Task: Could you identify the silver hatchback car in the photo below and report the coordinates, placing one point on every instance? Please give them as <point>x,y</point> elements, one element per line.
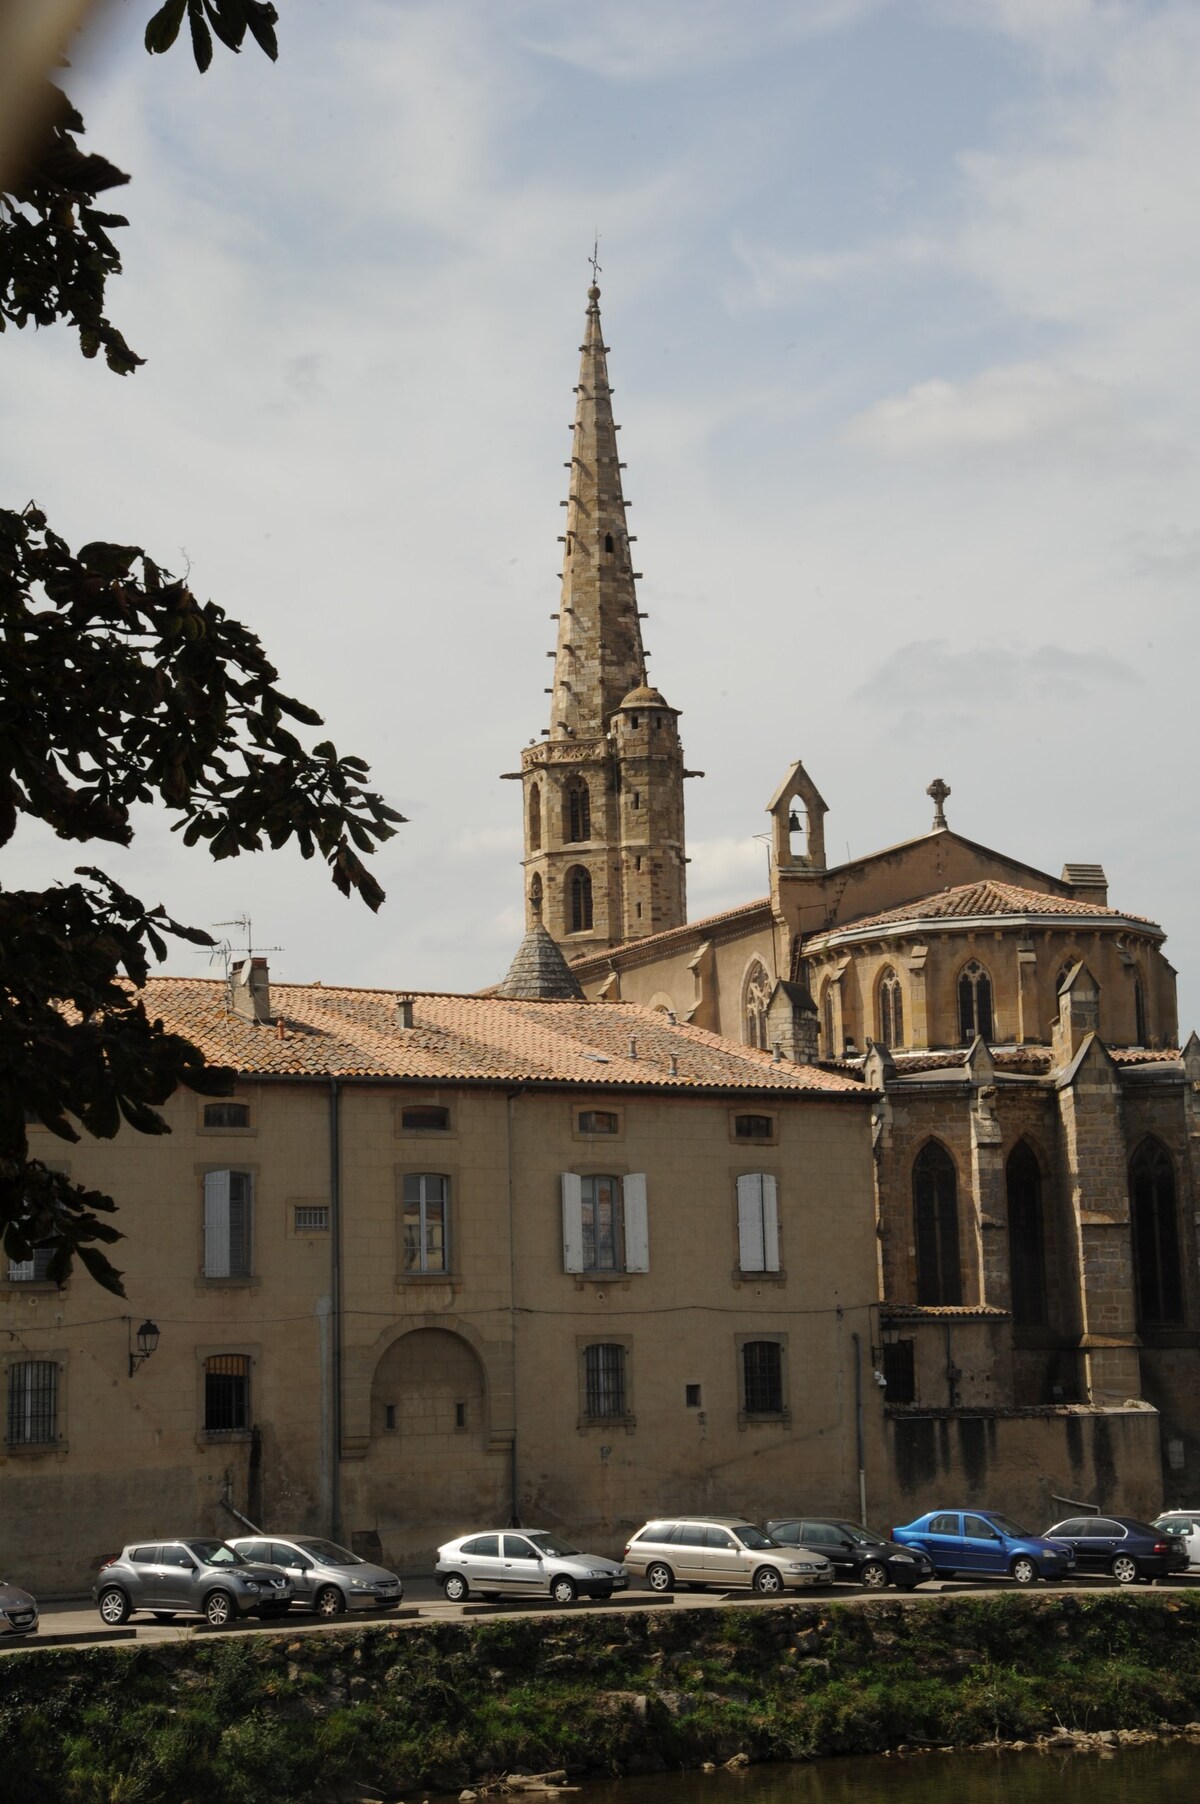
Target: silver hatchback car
<point>531,1563</point>
<point>192,1577</point>
<point>721,1550</point>
<point>18,1611</point>
<point>326,1578</point>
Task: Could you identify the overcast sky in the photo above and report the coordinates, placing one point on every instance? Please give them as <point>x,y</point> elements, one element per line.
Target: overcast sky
<point>902,300</point>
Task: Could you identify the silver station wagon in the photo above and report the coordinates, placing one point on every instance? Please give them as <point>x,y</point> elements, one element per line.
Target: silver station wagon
<point>726,1551</point>
<point>531,1563</point>
<point>193,1577</point>
<point>326,1578</point>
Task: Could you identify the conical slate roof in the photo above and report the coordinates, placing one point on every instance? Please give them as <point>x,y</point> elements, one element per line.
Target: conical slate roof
<point>539,972</point>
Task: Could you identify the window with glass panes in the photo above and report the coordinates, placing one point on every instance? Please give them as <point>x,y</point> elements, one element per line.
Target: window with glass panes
<point>32,1403</point>
<point>604,1380</point>
<point>602,1224</point>
<point>762,1378</point>
<point>226,1393</point>
<point>426,1194</point>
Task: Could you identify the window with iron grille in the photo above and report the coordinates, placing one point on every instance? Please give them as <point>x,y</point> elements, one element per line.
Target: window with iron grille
<point>604,1380</point>
<point>32,1403</point>
<point>226,1114</point>
<point>226,1393</point>
<point>899,1370</point>
<point>311,1218</point>
<point>31,1271</point>
<point>762,1378</point>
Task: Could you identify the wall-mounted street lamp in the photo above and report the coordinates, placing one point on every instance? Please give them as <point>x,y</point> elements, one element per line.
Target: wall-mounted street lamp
<point>147,1340</point>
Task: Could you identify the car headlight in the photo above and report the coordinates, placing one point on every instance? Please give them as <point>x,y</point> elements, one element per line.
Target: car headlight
<point>594,1572</point>
<point>904,1556</point>
<point>359,1585</point>
<point>803,1566</point>
<point>250,1584</point>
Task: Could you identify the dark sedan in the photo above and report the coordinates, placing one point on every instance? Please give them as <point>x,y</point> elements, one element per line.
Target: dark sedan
<point>855,1552</point>
<point>1122,1546</point>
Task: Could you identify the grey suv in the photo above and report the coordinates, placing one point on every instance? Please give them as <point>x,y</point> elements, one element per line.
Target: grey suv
<point>189,1577</point>
<point>326,1578</point>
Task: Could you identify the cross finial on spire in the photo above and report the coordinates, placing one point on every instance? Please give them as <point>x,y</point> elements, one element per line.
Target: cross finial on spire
<point>594,260</point>
<point>938,790</point>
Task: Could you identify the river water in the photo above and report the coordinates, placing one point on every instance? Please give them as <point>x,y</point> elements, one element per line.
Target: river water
<point>1151,1774</point>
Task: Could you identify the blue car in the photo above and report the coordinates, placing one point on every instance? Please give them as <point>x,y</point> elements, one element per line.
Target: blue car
<point>980,1541</point>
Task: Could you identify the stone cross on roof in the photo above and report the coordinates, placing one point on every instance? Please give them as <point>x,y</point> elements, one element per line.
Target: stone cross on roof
<point>939,790</point>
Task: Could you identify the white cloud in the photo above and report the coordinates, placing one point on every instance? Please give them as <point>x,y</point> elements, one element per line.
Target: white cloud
<point>630,40</point>
<point>1021,404</point>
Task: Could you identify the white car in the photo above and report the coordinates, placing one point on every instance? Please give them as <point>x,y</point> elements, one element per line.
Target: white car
<point>529,1562</point>
<point>1185,1524</point>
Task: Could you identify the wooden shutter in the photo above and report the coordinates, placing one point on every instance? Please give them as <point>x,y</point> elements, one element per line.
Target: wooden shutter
<point>572,1221</point>
<point>216,1224</point>
<point>770,1222</point>
<point>751,1250</point>
<point>239,1224</point>
<point>637,1223</point>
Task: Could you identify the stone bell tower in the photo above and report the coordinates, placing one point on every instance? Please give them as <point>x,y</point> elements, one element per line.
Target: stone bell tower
<point>603,788</point>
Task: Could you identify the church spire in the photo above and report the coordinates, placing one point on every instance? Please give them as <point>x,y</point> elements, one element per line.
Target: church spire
<point>599,657</point>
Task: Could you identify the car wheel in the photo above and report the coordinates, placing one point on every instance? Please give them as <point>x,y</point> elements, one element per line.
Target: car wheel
<point>659,1577</point>
<point>328,1601</point>
<point>873,1576</point>
<point>1024,1570</point>
<point>767,1581</point>
<point>218,1609</point>
<point>564,1590</point>
<point>114,1607</point>
<point>163,1615</point>
<point>1124,1569</point>
<point>456,1588</point>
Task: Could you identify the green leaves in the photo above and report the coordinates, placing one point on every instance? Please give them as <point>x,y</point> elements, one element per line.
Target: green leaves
<point>229,19</point>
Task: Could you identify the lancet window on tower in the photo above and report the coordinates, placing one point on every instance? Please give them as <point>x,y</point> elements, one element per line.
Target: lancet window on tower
<point>1139,1013</point>
<point>535,819</point>
<point>608,543</point>
<point>535,896</point>
<point>577,811</point>
<point>891,1009</point>
<point>974,1003</point>
<point>579,900</point>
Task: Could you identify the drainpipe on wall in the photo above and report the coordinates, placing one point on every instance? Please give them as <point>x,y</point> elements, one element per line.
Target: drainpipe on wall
<point>335,1291</point>
<point>513,1486</point>
<point>858,1430</point>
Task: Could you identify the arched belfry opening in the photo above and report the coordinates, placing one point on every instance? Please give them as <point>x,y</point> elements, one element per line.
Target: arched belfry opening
<point>798,811</point>
<point>577,811</point>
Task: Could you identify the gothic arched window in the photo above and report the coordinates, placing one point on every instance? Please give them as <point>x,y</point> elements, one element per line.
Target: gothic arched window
<point>1063,975</point>
<point>1139,1012</point>
<point>756,997</point>
<point>1155,1234</point>
<point>535,819</point>
<point>579,900</point>
<point>608,541</point>
<point>577,811</point>
<point>1026,1243</point>
<point>828,1048</point>
<point>891,1009</point>
<point>535,897</point>
<point>974,1003</point>
<point>935,1209</point>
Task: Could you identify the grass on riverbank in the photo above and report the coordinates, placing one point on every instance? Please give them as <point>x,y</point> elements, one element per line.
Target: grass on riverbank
<point>264,1720</point>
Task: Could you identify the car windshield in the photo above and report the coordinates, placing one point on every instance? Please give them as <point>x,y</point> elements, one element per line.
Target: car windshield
<point>752,1537</point>
<point>216,1553</point>
<point>862,1537</point>
<point>1009,1528</point>
<point>557,1548</point>
<point>328,1553</point>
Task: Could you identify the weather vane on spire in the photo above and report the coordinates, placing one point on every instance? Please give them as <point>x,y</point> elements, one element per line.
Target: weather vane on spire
<point>594,259</point>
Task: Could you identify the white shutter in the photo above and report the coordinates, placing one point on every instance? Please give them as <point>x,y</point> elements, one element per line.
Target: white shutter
<point>572,1221</point>
<point>770,1223</point>
<point>216,1224</point>
<point>751,1252</point>
<point>637,1223</point>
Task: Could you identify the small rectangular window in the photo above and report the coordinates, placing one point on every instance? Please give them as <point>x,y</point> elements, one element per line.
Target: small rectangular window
<point>427,1117</point>
<point>31,1271</point>
<point>604,1381</point>
<point>226,1114</point>
<point>460,1415</point>
<point>762,1378</point>
<point>389,1415</point>
<point>899,1371</point>
<point>691,1393</point>
<point>226,1393</point>
<point>425,1197</point>
<point>598,1121</point>
<point>754,1127</point>
<point>32,1403</point>
<point>311,1218</point>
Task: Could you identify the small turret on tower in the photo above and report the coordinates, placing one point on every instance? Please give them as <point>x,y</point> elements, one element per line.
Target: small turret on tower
<point>603,790</point>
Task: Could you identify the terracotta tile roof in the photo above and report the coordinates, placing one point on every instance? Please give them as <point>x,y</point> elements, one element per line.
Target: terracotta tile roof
<point>317,1031</point>
<point>1145,1055</point>
<point>968,900</point>
<point>658,942</point>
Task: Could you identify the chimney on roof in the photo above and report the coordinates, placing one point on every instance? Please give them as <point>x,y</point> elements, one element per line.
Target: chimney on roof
<point>1087,882</point>
<point>404,1011</point>
<point>250,991</point>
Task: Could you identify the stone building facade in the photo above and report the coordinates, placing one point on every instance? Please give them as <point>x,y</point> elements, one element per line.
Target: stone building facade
<point>444,1262</point>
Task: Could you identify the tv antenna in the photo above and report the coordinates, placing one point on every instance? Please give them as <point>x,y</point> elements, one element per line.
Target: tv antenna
<point>226,951</point>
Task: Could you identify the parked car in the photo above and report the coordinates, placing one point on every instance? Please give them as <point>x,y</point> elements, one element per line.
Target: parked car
<point>189,1577</point>
<point>981,1541</point>
<point>854,1552</point>
<point>721,1550</point>
<point>18,1611</point>
<point>531,1564</point>
<point>1121,1545</point>
<point>326,1578</point>
<point>1185,1525</point>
